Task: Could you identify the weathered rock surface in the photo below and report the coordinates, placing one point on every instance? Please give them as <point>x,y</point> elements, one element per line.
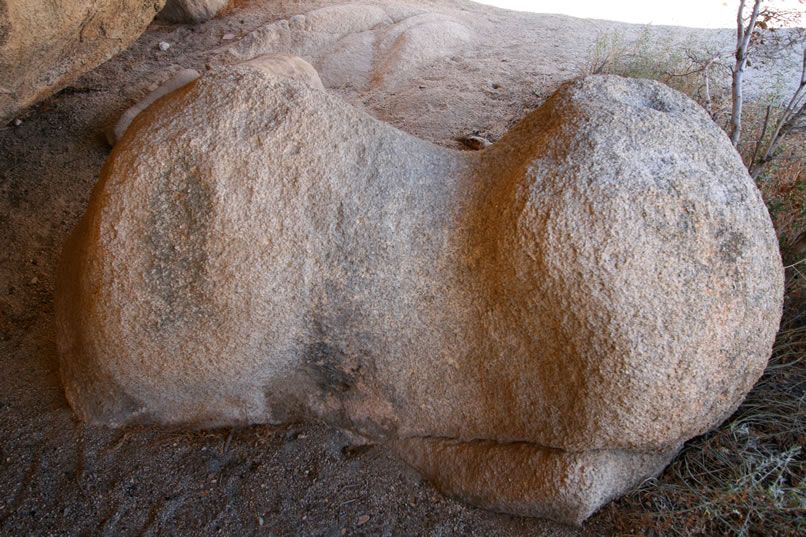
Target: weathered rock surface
<point>287,66</point>
<point>360,46</point>
<point>281,65</point>
<point>45,44</point>
<point>535,326</point>
<point>191,11</point>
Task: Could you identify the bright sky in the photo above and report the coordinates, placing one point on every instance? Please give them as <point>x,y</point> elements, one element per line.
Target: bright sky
<point>692,13</point>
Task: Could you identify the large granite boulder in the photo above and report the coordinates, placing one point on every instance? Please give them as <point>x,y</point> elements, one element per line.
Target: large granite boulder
<point>536,326</point>
<point>44,44</point>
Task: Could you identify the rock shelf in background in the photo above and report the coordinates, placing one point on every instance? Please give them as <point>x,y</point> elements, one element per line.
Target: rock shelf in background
<point>536,326</point>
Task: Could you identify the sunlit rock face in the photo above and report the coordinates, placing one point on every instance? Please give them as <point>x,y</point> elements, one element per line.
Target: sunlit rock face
<point>45,44</point>
<point>536,326</point>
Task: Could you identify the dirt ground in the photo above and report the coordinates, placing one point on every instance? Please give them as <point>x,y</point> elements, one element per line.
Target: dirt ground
<point>61,477</point>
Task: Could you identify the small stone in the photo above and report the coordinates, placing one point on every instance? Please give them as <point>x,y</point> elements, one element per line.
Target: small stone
<point>164,45</point>
<point>363,519</point>
<point>191,11</point>
<point>34,280</point>
<point>17,122</point>
<point>228,37</point>
<point>260,520</point>
<point>476,142</point>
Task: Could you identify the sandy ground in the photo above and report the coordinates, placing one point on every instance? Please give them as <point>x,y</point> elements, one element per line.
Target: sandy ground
<point>61,477</point>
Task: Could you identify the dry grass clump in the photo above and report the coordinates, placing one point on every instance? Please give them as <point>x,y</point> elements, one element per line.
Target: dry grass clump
<point>783,185</point>
<point>748,477</point>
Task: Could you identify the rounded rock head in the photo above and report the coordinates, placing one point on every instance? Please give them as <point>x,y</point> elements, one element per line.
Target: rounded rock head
<point>642,248</point>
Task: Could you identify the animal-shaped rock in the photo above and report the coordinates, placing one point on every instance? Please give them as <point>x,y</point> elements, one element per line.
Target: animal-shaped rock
<point>536,326</point>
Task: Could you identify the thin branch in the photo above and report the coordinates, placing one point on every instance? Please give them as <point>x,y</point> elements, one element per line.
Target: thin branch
<point>708,85</point>
<point>790,115</point>
<point>753,164</point>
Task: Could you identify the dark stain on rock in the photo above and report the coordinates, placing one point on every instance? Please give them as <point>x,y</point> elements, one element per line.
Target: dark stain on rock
<point>325,364</point>
<point>660,103</point>
<point>731,247</point>
<point>177,234</point>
